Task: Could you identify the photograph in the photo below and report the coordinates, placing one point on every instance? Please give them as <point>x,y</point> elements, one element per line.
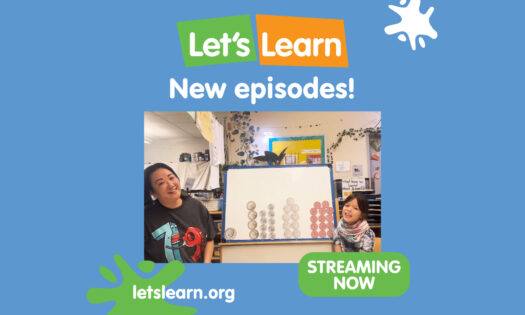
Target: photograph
<point>252,187</point>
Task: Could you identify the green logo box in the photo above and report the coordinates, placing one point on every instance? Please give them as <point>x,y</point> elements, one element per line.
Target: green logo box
<point>217,41</point>
<point>354,274</point>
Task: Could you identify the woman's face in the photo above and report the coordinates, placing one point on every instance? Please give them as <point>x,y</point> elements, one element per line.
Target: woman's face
<point>351,212</point>
<point>166,187</point>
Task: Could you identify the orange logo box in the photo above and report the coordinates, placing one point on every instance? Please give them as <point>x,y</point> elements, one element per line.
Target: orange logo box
<point>300,41</point>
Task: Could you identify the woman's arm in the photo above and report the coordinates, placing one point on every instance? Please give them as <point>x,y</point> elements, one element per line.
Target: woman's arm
<point>211,231</point>
<point>208,252</point>
<point>337,248</point>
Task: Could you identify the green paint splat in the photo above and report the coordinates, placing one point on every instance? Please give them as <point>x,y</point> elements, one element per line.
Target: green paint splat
<point>123,294</point>
<point>107,274</point>
<point>146,266</point>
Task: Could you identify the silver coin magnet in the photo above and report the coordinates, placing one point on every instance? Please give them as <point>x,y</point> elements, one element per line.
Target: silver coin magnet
<point>252,215</point>
<point>252,225</point>
<point>250,205</point>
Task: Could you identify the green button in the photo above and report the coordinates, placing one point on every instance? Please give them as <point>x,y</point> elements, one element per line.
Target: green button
<point>354,274</point>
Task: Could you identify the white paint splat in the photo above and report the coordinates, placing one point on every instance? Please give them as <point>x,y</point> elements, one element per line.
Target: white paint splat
<point>413,23</point>
<point>421,42</point>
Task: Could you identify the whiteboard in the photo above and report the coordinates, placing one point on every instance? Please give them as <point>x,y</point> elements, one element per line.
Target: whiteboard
<point>279,203</point>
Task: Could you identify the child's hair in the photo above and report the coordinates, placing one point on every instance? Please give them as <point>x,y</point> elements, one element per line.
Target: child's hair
<point>362,203</point>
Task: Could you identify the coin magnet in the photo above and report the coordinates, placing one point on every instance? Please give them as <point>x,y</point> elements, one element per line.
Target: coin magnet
<point>252,225</point>
<point>291,219</point>
<point>230,234</point>
<point>262,227</point>
<point>251,205</point>
<point>271,222</point>
<point>252,216</point>
<point>322,218</point>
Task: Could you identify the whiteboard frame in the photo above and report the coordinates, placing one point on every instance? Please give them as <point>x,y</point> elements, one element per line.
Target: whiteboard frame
<point>329,166</point>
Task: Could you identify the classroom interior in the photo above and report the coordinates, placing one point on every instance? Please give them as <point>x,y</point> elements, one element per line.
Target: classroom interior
<point>202,147</point>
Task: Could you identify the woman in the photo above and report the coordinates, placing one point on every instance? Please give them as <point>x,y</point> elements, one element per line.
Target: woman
<point>353,234</point>
<point>176,226</point>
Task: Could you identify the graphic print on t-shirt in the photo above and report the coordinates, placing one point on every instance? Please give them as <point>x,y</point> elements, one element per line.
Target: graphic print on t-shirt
<point>172,241</point>
<point>170,233</point>
<point>193,237</point>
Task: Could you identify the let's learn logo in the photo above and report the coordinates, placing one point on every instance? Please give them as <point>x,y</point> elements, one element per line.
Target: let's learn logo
<point>283,41</point>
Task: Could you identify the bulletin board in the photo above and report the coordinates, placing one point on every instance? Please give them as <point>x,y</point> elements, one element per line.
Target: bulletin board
<point>307,150</point>
<point>279,203</point>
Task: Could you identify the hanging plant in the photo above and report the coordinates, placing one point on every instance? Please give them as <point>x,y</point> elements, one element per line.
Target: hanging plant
<point>354,134</point>
<point>241,132</point>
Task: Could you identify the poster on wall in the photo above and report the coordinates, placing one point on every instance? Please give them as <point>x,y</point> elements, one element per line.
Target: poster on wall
<point>299,150</point>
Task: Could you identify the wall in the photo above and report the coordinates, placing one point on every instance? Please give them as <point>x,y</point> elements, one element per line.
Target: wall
<point>297,124</point>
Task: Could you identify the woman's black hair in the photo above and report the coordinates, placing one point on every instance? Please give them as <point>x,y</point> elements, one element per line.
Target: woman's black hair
<point>148,188</point>
<point>362,203</point>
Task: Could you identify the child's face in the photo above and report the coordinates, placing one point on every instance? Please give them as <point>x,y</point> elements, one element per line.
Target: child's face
<point>351,212</point>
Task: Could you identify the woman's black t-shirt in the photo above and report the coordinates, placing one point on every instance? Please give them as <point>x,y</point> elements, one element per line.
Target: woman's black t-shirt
<point>177,234</point>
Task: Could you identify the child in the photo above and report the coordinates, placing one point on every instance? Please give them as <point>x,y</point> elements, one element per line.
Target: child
<point>353,233</point>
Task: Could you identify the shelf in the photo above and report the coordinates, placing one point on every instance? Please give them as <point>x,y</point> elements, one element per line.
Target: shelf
<point>217,218</point>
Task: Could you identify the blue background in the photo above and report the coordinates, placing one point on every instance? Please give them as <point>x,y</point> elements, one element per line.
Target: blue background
<point>77,77</point>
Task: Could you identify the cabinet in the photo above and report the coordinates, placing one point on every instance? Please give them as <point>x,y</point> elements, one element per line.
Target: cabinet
<point>217,218</point>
